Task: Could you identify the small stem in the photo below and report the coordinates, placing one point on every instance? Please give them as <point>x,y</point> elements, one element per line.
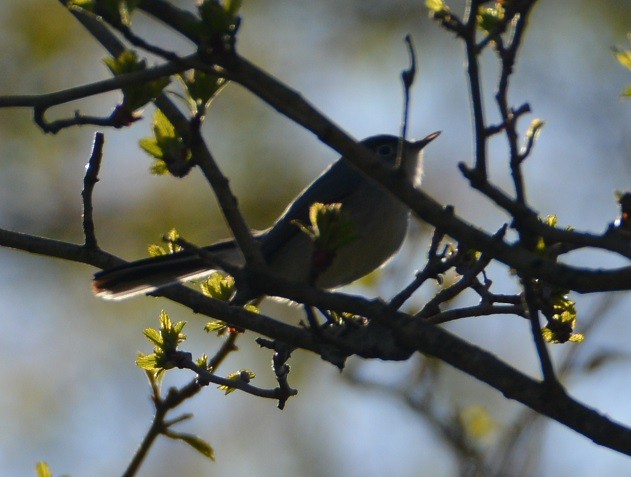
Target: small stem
<point>535,326</point>
<point>475,90</point>
<point>407,77</point>
<point>89,181</point>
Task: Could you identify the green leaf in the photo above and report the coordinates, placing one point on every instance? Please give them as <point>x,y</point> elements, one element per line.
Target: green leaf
<point>148,362</point>
<point>202,88</point>
<point>165,341</point>
<point>154,336</point>
<point>218,286</point>
<point>241,375</point>
<point>135,96</point>
<point>87,5</point>
<point>125,9</point>
<point>156,250</point>
<point>232,7</point>
<point>202,361</point>
<point>155,379</point>
<point>165,145</point>
<point>43,470</point>
<point>560,327</point>
<point>488,18</point>
<point>170,334</point>
<point>216,326</point>
<point>159,168</point>
<point>623,57</point>
<point>535,129</point>
<point>436,6</point>
<point>252,308</point>
<point>197,443</point>
<point>330,227</point>
<point>543,247</point>
<point>171,237</point>
<point>162,127</point>
<point>151,147</point>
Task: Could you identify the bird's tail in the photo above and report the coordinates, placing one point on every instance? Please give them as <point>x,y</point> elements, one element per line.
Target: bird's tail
<point>149,274</point>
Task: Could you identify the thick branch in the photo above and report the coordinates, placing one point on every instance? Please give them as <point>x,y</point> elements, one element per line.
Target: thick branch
<point>292,105</point>
<point>549,401</point>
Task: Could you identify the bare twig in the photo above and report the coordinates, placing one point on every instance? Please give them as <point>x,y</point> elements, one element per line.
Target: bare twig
<point>436,264</point>
<point>535,326</point>
<point>41,102</point>
<point>475,311</point>
<point>433,306</point>
<point>407,78</point>
<point>89,181</point>
<point>475,88</point>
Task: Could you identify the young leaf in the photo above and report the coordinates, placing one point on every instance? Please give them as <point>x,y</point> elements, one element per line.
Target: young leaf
<point>560,327</point>
<point>202,361</point>
<point>197,443</point>
<point>241,375</point>
<point>43,470</point>
<point>165,341</point>
<point>216,326</point>
<point>330,227</point>
<point>488,18</point>
<point>148,362</point>
<point>218,286</point>
<point>156,250</point>
<point>202,88</point>
<point>436,6</point>
<point>135,96</point>
<point>169,148</point>
<point>154,336</point>
<point>534,129</point>
<point>623,57</point>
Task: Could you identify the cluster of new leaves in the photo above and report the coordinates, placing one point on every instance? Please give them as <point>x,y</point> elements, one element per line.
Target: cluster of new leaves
<point>329,229</point>
<point>168,148</point>
<point>135,96</point>
<point>555,305</point>
<point>166,340</point>
<point>222,287</point>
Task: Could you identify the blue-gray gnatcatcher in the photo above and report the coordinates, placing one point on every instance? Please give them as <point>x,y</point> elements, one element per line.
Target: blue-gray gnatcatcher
<point>378,218</point>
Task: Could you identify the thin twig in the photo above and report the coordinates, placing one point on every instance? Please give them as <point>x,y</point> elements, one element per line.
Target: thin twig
<point>449,293</point>
<point>89,181</point>
<point>475,89</point>
<point>474,312</point>
<point>183,361</point>
<point>436,264</point>
<point>407,78</point>
<point>41,102</point>
<point>535,326</point>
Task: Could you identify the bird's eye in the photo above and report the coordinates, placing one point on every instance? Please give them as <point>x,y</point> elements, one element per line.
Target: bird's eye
<point>385,150</point>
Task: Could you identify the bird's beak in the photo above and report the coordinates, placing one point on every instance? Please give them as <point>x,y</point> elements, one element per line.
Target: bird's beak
<point>421,143</point>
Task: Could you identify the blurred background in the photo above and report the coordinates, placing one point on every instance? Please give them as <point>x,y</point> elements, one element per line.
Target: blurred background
<point>71,394</point>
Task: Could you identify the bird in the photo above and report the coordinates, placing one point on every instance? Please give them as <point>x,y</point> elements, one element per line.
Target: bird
<point>378,219</point>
